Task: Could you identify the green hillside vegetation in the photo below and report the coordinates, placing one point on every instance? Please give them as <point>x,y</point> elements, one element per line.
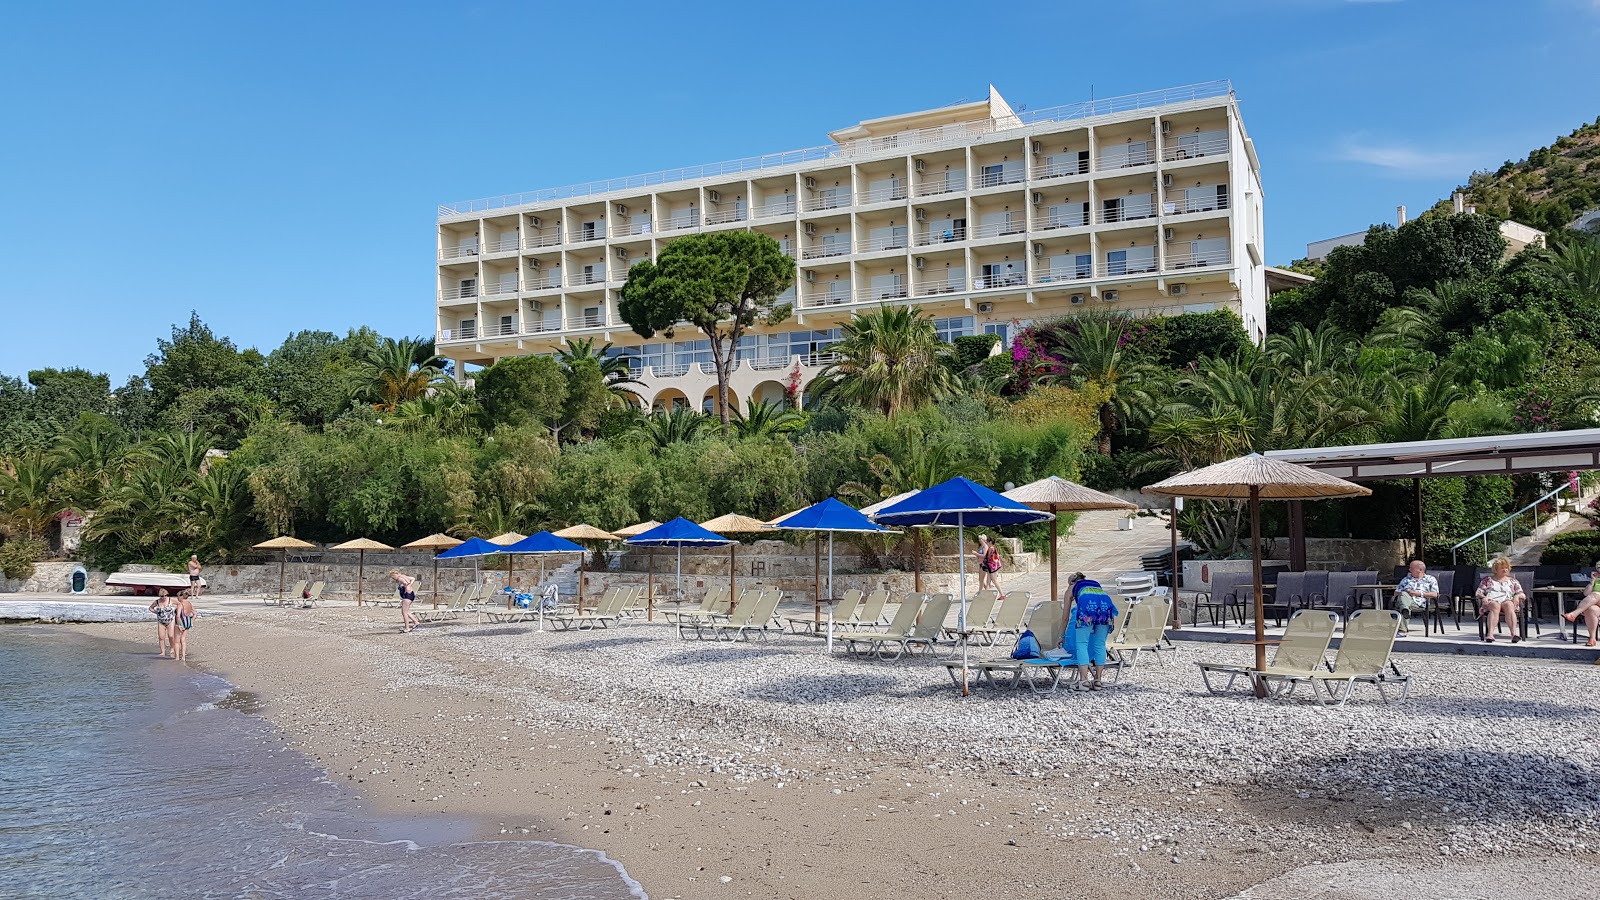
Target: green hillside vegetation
<point>1548,189</point>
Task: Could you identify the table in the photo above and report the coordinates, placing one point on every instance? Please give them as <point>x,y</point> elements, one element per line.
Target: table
<point>1561,592</point>
<point>1380,591</point>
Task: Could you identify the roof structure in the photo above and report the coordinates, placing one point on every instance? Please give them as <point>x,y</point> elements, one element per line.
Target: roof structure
<point>1496,454</point>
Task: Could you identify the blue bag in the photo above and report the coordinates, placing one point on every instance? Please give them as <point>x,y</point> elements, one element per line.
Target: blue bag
<point>1027,647</point>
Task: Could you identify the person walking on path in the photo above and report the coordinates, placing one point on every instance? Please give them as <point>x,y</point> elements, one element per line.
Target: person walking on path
<point>1589,606</point>
<point>1092,615</point>
<point>407,587</point>
<point>181,627</point>
<point>194,574</point>
<point>166,616</point>
<point>988,564</point>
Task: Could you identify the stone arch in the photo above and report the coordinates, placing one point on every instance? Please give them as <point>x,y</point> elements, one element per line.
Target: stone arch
<point>708,403</point>
<point>770,392</point>
<point>669,399</point>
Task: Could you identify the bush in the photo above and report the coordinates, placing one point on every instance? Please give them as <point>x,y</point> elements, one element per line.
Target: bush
<point>970,350</point>
<point>1579,548</point>
<point>18,555</point>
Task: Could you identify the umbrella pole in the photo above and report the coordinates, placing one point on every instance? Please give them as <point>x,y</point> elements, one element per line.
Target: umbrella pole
<point>678,584</point>
<point>283,561</point>
<point>1255,574</point>
<point>361,571</point>
<point>916,561</point>
<point>538,600</point>
<point>650,590</point>
<point>830,593</point>
<point>436,582</point>
<point>1054,591</point>
<point>816,573</point>
<point>582,558</point>
<point>733,574</point>
<point>961,547</point>
<point>511,564</point>
<point>1177,620</point>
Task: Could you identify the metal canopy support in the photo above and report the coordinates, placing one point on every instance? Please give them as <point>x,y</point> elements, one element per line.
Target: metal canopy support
<point>1297,535</point>
<point>1416,486</point>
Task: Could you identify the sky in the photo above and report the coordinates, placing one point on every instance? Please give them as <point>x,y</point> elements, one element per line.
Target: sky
<point>278,166</point>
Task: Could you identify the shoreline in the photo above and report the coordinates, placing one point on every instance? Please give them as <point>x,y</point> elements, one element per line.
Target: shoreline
<point>459,720</point>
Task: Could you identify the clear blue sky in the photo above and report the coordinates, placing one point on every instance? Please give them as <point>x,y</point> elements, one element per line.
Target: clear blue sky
<point>277,166</point>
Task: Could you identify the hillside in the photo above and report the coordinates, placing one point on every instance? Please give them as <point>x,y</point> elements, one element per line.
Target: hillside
<point>1548,189</point>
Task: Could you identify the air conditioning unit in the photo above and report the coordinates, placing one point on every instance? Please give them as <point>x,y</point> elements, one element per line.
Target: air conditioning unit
<point>811,230</point>
<point>535,221</point>
<point>621,210</point>
<point>1168,234</point>
<point>713,197</point>
<point>920,165</point>
<point>533,264</point>
<point>1038,249</point>
<point>1038,148</point>
<point>1177,290</point>
<point>1166,181</point>
<point>811,183</point>
<point>1108,296</point>
<point>622,252</point>
<point>922,214</point>
<point>1166,127</point>
<point>1038,199</point>
<point>985,307</point>
<point>1077,299</point>
<point>810,277</point>
<point>920,263</point>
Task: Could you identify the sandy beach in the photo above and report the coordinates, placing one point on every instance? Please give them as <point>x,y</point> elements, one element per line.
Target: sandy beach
<point>771,770</point>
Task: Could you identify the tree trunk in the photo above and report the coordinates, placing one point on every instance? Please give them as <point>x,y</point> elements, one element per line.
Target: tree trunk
<point>722,352</point>
<point>1108,424</point>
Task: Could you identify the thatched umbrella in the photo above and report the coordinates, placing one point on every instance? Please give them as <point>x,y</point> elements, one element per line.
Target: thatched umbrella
<point>506,540</point>
<point>1256,478</point>
<point>362,545</point>
<point>581,534</point>
<point>650,589</point>
<point>285,544</point>
<point>433,543</point>
<point>733,523</point>
<point>1054,494</point>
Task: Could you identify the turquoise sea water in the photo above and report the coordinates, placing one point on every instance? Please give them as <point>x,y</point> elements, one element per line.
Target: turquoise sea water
<point>122,775</point>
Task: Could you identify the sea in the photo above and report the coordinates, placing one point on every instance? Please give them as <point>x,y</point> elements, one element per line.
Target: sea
<point>124,775</point>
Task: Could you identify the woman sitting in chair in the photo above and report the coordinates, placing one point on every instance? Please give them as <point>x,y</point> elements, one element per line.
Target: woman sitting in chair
<point>1589,606</point>
<point>1499,594</point>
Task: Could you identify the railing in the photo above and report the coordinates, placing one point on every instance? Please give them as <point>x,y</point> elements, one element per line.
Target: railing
<point>505,245</point>
<point>831,298</point>
<point>1057,276</point>
<point>1211,147</point>
<point>465,251</point>
<point>1198,260</point>
<point>543,283</point>
<point>1135,156</point>
<point>941,237</point>
<point>819,359</point>
<point>1193,205</point>
<point>1135,267</point>
<point>990,282</point>
<point>935,288</point>
<point>785,207</point>
<point>832,199</point>
<point>628,228</point>
<point>542,325</point>
<point>940,183</point>
<point>723,217</point>
<point>891,242</point>
<point>586,278</point>
<point>1510,524</point>
<point>1063,220</point>
<point>1061,167</point>
<point>671,370</point>
<point>882,292</point>
<point>588,321</point>
<point>707,368</point>
<point>1000,229</point>
<point>499,289</point>
<point>765,363</point>
<point>585,235</point>
<point>458,293</point>
<point>679,222</point>
<point>466,333</point>
<point>882,195</point>
<point>996,179</point>
<point>837,248</point>
<point>548,238</point>
<point>1127,213</point>
<point>500,330</point>
<point>921,139</point>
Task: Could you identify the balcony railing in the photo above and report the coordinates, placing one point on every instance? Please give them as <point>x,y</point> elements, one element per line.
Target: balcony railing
<point>631,228</point>
<point>500,329</point>
<point>1059,275</point>
<point>541,326</point>
<point>882,195</point>
<point>550,237</point>
<point>1196,150</point>
<point>584,279</point>
<point>939,184</point>
<point>1135,156</point>
<point>1110,269</point>
<point>588,321</point>
<point>1180,261</point>
<point>882,293</point>
<point>679,222</point>
<point>466,251</point>
<point>941,237</point>
<point>925,139</point>
<point>996,179</point>
<point>505,245</point>
<point>776,207</point>
<point>1061,167</point>
<point>499,288</point>
<point>466,333</point>
<point>458,293</point>
<point>837,297</point>
<point>890,242</point>
<point>1062,220</point>
<point>1000,229</point>
<point>837,248</point>
<point>834,199</point>
<point>543,282</point>
<point>990,282</point>
<point>1193,205</point>
<point>722,217</point>
<point>1126,213</point>
<point>585,235</point>
<point>934,288</point>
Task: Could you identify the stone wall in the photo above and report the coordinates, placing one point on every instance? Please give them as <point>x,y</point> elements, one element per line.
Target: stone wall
<point>1340,553</point>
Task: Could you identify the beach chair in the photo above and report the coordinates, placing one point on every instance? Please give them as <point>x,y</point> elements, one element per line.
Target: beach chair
<point>607,611</point>
<point>928,633</point>
<point>715,602</point>
<point>313,595</point>
<point>1302,651</point>
<point>979,609</point>
<point>1363,657</point>
<point>1008,621</point>
<point>751,618</point>
<point>842,612</point>
<point>274,599</point>
<point>634,605</point>
<point>1143,630</point>
<point>904,618</point>
<point>427,613</point>
<point>722,609</point>
<point>870,614</point>
<point>1045,621</point>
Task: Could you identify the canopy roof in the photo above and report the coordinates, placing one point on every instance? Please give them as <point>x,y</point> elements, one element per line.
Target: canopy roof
<point>283,543</point>
<point>361,544</point>
<point>829,515</point>
<point>875,508</point>
<point>544,542</point>
<point>636,530</point>
<point>1273,479</point>
<point>433,542</point>
<point>1055,494</point>
<point>959,501</point>
<point>733,523</point>
<point>507,539</point>
<point>1495,454</point>
<point>679,532</point>
<point>469,548</point>
<point>585,533</point>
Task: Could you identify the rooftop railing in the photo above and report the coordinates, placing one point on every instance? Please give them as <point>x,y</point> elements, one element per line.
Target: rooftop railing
<point>920,140</point>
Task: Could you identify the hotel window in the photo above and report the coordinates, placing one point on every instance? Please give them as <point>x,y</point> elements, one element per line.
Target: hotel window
<point>888,287</point>
<point>951,328</point>
<point>1131,261</point>
<point>469,328</point>
<point>469,287</point>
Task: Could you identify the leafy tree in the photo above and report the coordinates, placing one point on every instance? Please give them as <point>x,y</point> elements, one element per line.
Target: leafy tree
<point>1178,341</point>
<point>766,419</point>
<point>890,359</point>
<point>617,374</point>
<point>200,382</point>
<point>313,376</point>
<point>521,389</point>
<point>969,351</point>
<point>679,425</point>
<point>1575,264</point>
<point>1095,351</point>
<point>397,370</point>
<point>720,283</point>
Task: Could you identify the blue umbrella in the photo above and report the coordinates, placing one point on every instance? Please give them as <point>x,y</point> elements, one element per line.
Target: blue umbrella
<point>471,548</point>
<point>960,502</point>
<point>679,533</point>
<point>831,516</point>
<point>540,545</point>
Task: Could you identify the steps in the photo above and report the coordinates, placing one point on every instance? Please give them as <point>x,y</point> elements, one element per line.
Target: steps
<point>1097,548</point>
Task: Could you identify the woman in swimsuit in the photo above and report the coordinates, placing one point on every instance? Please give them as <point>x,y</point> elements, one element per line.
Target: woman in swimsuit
<point>407,587</point>
<point>166,614</point>
<point>180,628</point>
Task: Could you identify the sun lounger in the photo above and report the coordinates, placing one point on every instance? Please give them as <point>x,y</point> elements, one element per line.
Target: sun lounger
<point>715,602</point>
<point>429,613</point>
<point>928,633</point>
<point>842,611</point>
<point>904,619</point>
<point>276,599</point>
<point>979,609</point>
<point>869,615</point>
<point>1364,657</point>
<point>312,597</point>
<point>1303,651</point>
<point>635,606</point>
<point>1045,621</point>
<point>1145,630</point>
<point>1007,622</point>
<point>604,613</point>
<point>751,618</point>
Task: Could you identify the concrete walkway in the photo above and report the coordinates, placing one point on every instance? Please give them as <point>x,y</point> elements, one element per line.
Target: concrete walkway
<point>1096,548</point>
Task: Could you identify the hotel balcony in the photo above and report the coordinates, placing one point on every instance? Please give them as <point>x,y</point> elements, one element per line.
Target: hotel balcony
<point>1000,229</point>
<point>990,282</point>
<point>1058,168</point>
<point>954,235</point>
<point>825,250</point>
<point>738,213</point>
<point>833,198</point>
<point>1202,260</point>
<point>1126,212</point>
<point>681,221</point>
<point>464,292</point>
<point>1212,144</point>
<point>896,241</point>
<point>1074,219</point>
<point>1125,156</point>
<point>1186,205</point>
<point>627,229</point>
<point>882,194</point>
<point>776,207</point>
<point>461,253</point>
<point>501,288</point>
<point>882,293</point>
<point>997,179</point>
<point>587,279</point>
<point>507,244</point>
<point>549,237</point>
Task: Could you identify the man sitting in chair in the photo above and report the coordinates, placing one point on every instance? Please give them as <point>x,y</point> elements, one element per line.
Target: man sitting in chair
<point>1414,592</point>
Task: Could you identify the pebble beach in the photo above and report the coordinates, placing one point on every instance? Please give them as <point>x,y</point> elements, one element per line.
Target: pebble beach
<point>774,770</point>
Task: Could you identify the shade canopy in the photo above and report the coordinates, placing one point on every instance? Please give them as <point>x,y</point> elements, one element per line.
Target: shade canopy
<point>733,523</point>
<point>585,533</point>
<point>1271,479</point>
<point>361,544</point>
<point>1057,494</point>
<point>507,539</point>
<point>830,515</point>
<point>433,542</point>
<point>543,542</point>
<point>679,532</point>
<point>284,543</point>
<point>959,501</point>
<point>469,548</point>
<point>873,509</point>
<point>636,530</point>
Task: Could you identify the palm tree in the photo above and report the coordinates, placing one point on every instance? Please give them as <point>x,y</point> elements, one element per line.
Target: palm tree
<point>27,504</point>
<point>450,408</point>
<point>616,371</point>
<point>918,464</point>
<point>1095,350</point>
<point>1575,263</point>
<point>680,425</point>
<point>400,370</point>
<point>888,360</point>
<point>763,419</point>
<point>88,458</point>
<point>1420,411</point>
<point>217,504</point>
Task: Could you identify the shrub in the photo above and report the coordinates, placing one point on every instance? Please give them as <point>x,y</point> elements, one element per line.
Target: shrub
<point>18,555</point>
<point>1578,548</point>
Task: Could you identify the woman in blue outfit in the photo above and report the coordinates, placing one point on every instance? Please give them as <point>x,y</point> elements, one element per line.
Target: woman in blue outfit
<point>1089,626</point>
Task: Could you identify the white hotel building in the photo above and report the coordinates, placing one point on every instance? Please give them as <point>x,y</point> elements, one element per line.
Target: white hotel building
<point>987,217</point>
